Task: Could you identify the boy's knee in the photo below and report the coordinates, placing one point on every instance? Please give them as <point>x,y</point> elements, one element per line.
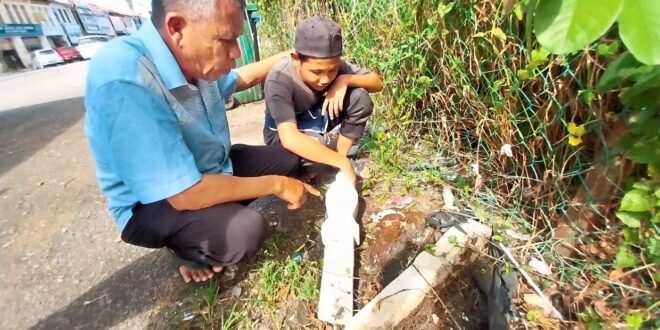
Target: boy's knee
<point>361,100</point>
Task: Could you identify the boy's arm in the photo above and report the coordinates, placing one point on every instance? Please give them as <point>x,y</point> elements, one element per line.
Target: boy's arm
<point>254,73</point>
<point>306,147</point>
<point>334,100</point>
<point>371,81</point>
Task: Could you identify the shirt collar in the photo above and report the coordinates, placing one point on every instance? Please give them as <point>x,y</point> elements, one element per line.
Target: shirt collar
<point>162,57</point>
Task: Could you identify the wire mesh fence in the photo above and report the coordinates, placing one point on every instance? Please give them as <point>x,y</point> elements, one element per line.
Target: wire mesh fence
<point>461,84</point>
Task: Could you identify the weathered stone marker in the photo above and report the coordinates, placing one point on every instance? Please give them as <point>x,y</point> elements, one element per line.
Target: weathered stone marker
<point>340,233</point>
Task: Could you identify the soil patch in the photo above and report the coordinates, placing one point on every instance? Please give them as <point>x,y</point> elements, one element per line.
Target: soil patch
<point>456,304</point>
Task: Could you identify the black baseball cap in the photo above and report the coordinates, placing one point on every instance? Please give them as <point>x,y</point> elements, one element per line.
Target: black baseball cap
<point>318,37</point>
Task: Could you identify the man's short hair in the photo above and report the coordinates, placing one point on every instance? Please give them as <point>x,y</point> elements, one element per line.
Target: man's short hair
<point>200,10</point>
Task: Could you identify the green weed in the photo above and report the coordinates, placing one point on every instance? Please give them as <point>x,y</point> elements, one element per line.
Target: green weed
<point>298,279</point>
<point>209,295</point>
<point>232,320</point>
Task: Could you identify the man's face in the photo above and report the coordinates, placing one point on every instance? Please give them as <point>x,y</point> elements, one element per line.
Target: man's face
<point>318,73</point>
<point>210,48</point>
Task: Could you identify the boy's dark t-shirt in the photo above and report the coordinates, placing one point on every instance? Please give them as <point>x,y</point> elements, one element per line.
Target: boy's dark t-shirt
<point>287,95</point>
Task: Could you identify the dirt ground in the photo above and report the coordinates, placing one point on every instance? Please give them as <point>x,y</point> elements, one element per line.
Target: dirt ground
<point>63,266</point>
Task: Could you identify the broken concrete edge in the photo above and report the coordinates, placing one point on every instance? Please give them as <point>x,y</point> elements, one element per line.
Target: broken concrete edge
<point>404,295</point>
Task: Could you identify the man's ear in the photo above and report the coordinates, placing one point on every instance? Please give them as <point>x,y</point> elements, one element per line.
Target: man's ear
<point>174,25</point>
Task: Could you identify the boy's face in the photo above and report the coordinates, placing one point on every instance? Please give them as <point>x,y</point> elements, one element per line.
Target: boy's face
<point>317,73</point>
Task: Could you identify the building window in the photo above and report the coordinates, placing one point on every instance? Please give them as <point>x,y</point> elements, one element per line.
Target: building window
<point>27,17</point>
<point>19,18</point>
<point>66,16</point>
<point>57,15</point>
<point>51,14</point>
<point>32,43</point>
<point>62,15</point>
<point>47,16</point>
<point>35,14</point>
<point>12,19</point>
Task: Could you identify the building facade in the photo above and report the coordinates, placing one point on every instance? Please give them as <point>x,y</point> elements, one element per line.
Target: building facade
<point>94,20</point>
<point>21,31</point>
<point>123,25</point>
<point>63,12</point>
<point>29,25</point>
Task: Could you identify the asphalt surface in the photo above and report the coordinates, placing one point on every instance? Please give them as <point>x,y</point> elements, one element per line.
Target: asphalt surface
<point>63,266</point>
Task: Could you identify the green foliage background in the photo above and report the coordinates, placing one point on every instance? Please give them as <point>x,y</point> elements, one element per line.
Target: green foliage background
<point>460,84</point>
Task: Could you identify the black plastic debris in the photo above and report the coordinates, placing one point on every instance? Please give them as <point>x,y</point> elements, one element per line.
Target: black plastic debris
<point>498,284</point>
<point>445,219</point>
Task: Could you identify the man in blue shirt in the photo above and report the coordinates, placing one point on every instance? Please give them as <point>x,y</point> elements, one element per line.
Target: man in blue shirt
<point>159,135</point>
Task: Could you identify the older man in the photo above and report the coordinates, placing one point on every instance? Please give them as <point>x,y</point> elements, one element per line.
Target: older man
<point>158,131</point>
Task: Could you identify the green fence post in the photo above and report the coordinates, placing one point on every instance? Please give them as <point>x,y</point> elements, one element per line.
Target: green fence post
<point>249,44</point>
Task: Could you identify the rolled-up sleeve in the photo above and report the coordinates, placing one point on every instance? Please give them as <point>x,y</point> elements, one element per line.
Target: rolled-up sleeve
<point>146,146</point>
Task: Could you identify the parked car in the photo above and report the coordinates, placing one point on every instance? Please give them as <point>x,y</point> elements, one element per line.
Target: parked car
<point>45,57</point>
<point>89,45</point>
<point>69,54</point>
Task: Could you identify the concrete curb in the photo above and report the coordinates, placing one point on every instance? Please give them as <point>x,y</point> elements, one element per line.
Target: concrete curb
<point>401,297</point>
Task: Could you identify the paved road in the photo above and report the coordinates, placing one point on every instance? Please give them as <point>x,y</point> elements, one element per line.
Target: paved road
<point>62,265</point>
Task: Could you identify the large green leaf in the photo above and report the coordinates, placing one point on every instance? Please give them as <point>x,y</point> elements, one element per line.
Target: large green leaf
<point>626,67</point>
<point>631,219</point>
<point>637,201</point>
<point>639,27</point>
<point>645,122</point>
<point>644,150</point>
<point>635,319</point>
<point>645,92</point>
<point>630,235</point>
<point>564,26</point>
<point>625,259</point>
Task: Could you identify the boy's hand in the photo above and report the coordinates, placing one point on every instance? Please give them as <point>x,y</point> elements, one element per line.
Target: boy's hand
<point>334,99</point>
<point>294,192</point>
<point>348,170</point>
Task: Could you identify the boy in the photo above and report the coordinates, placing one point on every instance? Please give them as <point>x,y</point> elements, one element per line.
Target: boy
<point>315,93</point>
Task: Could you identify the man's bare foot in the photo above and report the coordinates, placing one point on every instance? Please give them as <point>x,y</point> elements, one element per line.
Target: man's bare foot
<point>196,274</point>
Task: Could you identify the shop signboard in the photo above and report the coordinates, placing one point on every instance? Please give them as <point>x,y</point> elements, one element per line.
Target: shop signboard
<point>20,30</point>
<point>73,31</point>
<point>52,30</point>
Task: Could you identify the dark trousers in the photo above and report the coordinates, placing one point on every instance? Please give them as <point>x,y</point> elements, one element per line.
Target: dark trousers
<point>358,106</point>
<point>220,235</point>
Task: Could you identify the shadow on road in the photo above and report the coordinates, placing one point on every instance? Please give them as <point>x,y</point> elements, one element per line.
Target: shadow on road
<point>24,131</point>
<point>130,291</point>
